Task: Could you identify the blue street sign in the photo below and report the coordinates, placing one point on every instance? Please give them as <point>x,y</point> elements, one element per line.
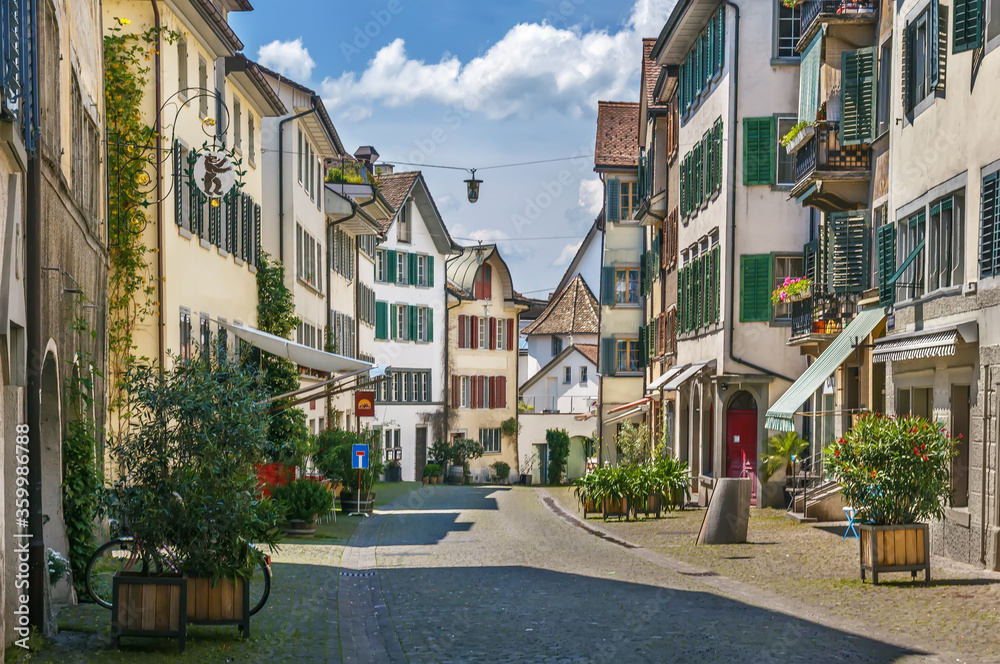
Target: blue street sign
<point>359,456</point>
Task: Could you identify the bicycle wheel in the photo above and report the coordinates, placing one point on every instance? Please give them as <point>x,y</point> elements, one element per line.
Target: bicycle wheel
<point>260,583</point>
<point>116,556</point>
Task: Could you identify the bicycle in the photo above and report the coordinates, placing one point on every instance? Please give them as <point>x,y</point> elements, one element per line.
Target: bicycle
<point>121,554</point>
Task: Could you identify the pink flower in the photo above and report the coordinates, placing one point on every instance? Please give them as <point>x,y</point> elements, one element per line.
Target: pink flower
<point>784,296</point>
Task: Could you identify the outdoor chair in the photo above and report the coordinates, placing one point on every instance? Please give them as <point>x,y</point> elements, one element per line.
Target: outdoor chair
<point>335,488</point>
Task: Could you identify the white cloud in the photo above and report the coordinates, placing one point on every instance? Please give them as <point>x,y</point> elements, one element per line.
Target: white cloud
<point>592,195</point>
<point>289,58</point>
<point>568,252</point>
<point>508,249</point>
<point>534,68</point>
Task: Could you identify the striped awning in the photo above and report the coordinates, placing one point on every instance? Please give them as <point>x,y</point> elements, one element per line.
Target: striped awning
<point>662,380</point>
<point>938,344</point>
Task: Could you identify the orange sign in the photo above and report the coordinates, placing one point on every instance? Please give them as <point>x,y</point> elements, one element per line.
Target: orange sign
<point>364,404</point>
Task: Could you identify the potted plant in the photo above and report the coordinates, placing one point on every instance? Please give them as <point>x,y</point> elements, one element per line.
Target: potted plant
<point>333,459</point>
<point>187,463</point>
<point>777,461</point>
<point>432,472</point>
<point>896,473</point>
<point>502,469</point>
<point>304,501</point>
<point>393,471</point>
<point>463,450</point>
<point>797,136</point>
<point>792,290</point>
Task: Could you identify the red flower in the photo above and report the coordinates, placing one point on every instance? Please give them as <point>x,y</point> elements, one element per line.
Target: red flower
<point>961,436</point>
<point>925,458</point>
<point>836,452</point>
<point>873,473</point>
<point>915,451</point>
<point>913,430</point>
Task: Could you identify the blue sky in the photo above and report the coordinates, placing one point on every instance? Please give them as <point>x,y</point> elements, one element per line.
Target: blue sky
<point>474,85</point>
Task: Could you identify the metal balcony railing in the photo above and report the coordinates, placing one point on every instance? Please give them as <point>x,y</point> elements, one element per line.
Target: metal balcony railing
<point>824,152</point>
<point>823,313</point>
<point>813,8</point>
<point>556,404</point>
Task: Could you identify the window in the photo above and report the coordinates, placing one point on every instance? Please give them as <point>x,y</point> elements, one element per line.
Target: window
<point>583,375</point>
<point>380,265</point>
<point>945,246</point>
<point>993,20</point>
<point>759,142</point>
<point>401,268</point>
<point>205,335</point>
<point>784,266</point>
<point>786,161</point>
<point>421,270</point>
<point>627,355</point>
<point>50,53</point>
<point>857,94</point>
<point>627,199</point>
<point>403,223</point>
<point>393,445</point>
<point>203,84</point>
<point>567,375</point>
<point>915,401</point>
<point>482,287</point>
<point>308,253</point>
<point>85,156</point>
<point>703,63</point>
<point>341,258</point>
<point>185,334</point>
<point>557,344</point>
<point>910,236</point>
<point>920,64</point>
<point>402,322</point>
<point>484,332</point>
<point>463,393</point>
<point>501,324</point>
<point>789,29</point>
<point>422,324</point>
<point>182,68</point>
<point>237,124</point>
<point>627,285</point>
<point>301,156</point>
<point>490,440</point>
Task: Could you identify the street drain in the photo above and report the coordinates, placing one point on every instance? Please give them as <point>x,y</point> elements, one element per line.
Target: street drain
<point>369,573</point>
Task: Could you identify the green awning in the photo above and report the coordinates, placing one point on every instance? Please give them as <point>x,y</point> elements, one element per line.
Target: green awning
<point>779,417</point>
<point>806,194</point>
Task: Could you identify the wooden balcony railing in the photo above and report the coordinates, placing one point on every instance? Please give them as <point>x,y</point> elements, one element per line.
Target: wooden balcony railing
<point>824,152</point>
<point>813,8</point>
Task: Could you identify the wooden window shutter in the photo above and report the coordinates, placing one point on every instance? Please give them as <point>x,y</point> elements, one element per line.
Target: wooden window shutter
<point>720,39</point>
<point>381,320</point>
<point>430,323</point>
<point>178,185</point>
<point>857,94</point>
<point>412,263</point>
<point>462,322</point>
<point>493,333</point>
<point>755,288</point>
<point>937,25</point>
<point>691,305</point>
<point>758,151</point>
<point>886,263</point>
<point>681,292</point>
<point>607,285</point>
<point>809,68</point>
<point>717,165</point>
<point>430,271</point>
<point>393,322</point>
<point>684,186</point>
<point>717,271</point>
<point>989,228</point>
<point>474,333</point>
<point>968,25</point>
<point>909,35</point>
<point>256,235</point>
<point>390,266</point>
<point>848,251</point>
<point>681,92</point>
<point>411,322</point>
<point>607,356</point>
<point>614,190</point>
<point>501,392</point>
<point>473,394</point>
<point>492,381</point>
<point>510,334</point>
<point>455,391</point>
<point>482,390</point>
<point>809,257</point>
<point>699,69</point>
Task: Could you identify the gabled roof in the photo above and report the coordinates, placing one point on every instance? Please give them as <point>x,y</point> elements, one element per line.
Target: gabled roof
<point>573,310</point>
<point>219,24</point>
<point>462,270</point>
<point>650,76</point>
<point>397,187</point>
<point>617,134</point>
<point>240,65</point>
<point>574,264</point>
<point>589,351</point>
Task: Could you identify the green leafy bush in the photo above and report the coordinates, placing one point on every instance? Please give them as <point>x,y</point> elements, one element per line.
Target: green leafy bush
<point>665,478</point>
<point>502,469</point>
<point>558,442</point>
<point>333,458</point>
<point>303,500</point>
<point>432,470</point>
<point>780,450</point>
<point>894,471</point>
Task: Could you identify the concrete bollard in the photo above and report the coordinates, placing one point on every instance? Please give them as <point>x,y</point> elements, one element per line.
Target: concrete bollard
<point>728,514</point>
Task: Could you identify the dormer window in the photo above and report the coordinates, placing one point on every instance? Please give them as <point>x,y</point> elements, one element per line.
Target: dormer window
<point>403,223</point>
<point>482,288</point>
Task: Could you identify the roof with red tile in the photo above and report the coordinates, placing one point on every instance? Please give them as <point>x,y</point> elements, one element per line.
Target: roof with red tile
<point>573,310</point>
<point>395,187</point>
<point>589,351</point>
<point>617,134</point>
<point>650,74</point>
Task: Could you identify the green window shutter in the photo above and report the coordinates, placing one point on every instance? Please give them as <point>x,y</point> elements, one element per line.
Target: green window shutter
<point>643,262</point>
<point>989,227</point>
<point>381,320</point>
<point>692,303</point>
<point>413,268</point>
<point>857,94</point>
<point>692,74</point>
<point>936,20</point>
<point>681,278</point>
<point>700,173</point>
<point>909,35</point>
<point>178,185</point>
<point>430,324</point>
<point>809,251</point>
<point>809,66</point>
<point>716,283</point>
<point>848,251</point>
<point>411,321</point>
<point>699,292</point>
<point>886,263</point>
<point>608,359</point>
<point>643,344</point>
<point>684,187</point>
<point>758,151</point>
<point>393,321</point>
<point>390,266</point>
<point>607,286</point>
<point>614,189</point>
<point>720,39</point>
<point>968,25</point>
<point>430,271</point>
<point>755,288</point>
<point>681,96</point>
<point>717,164</point>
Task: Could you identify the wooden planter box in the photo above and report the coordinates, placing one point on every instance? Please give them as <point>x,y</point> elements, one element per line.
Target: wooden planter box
<point>149,606</point>
<point>895,549</point>
<point>620,507</point>
<point>350,503</point>
<point>227,603</point>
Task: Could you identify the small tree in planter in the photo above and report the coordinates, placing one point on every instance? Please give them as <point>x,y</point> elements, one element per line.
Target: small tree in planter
<point>464,450</point>
<point>333,459</point>
<point>304,501</point>
<point>895,473</point>
<point>558,442</point>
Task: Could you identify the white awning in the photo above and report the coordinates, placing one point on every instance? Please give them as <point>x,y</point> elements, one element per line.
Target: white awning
<point>297,353</point>
<point>682,377</point>
<point>939,344</point>
<point>661,381</point>
<point>627,414</point>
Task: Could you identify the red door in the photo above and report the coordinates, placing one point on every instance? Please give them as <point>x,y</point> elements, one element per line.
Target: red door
<point>741,440</point>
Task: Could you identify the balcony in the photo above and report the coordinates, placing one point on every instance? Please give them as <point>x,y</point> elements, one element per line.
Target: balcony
<point>530,405</point>
<point>821,317</point>
<point>831,176</point>
<point>817,12</point>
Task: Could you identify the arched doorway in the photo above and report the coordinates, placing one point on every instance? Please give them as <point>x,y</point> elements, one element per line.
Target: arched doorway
<point>741,438</point>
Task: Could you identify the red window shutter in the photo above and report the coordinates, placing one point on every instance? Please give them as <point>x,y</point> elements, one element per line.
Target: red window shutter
<point>510,334</point>
<point>455,383</point>
<point>473,398</point>
<point>501,388</point>
<point>474,322</point>
<point>493,391</point>
<point>493,333</point>
<point>461,331</point>
<point>482,391</point>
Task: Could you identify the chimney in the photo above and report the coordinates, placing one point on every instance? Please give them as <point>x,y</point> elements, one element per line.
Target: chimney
<point>384,169</point>
<point>367,155</point>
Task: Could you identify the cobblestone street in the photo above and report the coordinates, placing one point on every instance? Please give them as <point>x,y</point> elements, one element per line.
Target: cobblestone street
<point>464,574</point>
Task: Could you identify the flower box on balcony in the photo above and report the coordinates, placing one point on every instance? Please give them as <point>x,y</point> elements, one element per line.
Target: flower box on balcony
<point>800,139</point>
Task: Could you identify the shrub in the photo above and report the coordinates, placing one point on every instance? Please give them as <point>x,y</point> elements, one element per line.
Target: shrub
<point>432,470</point>
<point>558,441</point>
<point>780,450</point>
<point>464,449</point>
<point>634,442</point>
<point>333,457</point>
<point>303,500</point>
<point>893,471</point>
<point>502,469</point>
<point>666,478</point>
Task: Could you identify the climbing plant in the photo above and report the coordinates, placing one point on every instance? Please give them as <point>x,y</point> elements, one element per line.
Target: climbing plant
<point>287,433</point>
<point>131,156</point>
<point>558,442</point>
